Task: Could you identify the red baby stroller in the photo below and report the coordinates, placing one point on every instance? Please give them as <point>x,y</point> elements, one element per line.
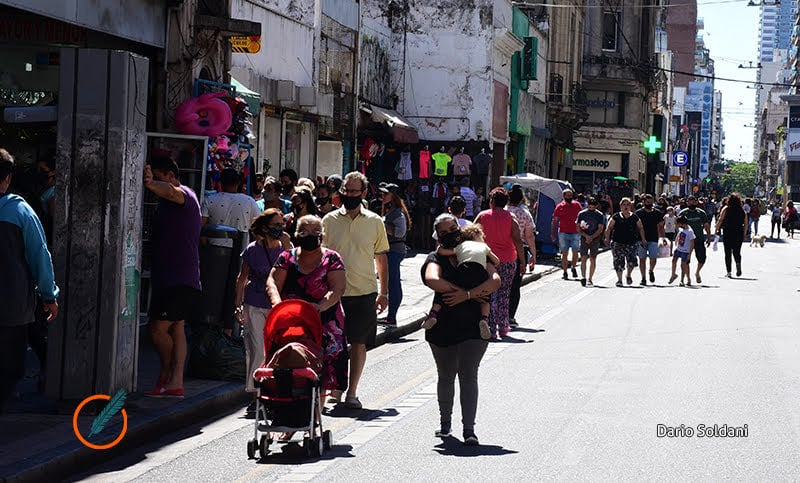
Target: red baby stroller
<point>288,383</point>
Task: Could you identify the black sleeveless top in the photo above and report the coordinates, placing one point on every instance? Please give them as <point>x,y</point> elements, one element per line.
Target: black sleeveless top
<point>459,322</point>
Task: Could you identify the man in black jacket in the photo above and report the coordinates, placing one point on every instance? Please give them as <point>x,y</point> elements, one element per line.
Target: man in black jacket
<point>26,269</point>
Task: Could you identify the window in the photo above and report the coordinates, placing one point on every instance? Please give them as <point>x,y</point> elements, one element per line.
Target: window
<point>610,31</point>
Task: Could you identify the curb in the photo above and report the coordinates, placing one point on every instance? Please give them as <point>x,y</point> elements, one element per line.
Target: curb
<point>412,325</point>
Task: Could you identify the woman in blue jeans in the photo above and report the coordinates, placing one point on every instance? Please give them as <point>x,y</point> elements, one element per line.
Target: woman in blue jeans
<point>455,340</point>
<point>397,223</point>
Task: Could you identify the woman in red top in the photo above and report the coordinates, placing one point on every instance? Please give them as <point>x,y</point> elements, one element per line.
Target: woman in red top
<point>790,218</point>
<point>502,234</point>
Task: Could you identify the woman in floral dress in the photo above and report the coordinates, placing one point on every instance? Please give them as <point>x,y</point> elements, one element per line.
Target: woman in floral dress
<point>316,275</point>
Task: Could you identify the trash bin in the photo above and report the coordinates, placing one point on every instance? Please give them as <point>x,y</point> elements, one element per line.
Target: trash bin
<point>219,267</point>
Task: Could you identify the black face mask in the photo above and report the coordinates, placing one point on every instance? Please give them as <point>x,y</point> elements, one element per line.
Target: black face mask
<point>42,178</point>
<point>450,240</point>
<point>286,189</point>
<point>351,202</point>
<point>692,207</point>
<point>323,201</point>
<point>568,200</point>
<point>275,232</point>
<point>309,242</point>
<point>297,209</point>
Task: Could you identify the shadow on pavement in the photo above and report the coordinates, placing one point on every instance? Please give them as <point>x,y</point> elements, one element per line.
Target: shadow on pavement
<point>293,454</point>
<point>525,329</point>
<point>454,447</point>
<point>513,340</point>
<point>365,414</point>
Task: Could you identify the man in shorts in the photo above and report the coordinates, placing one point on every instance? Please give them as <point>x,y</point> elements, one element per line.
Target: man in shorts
<point>565,216</point>
<point>700,223</point>
<point>591,225</point>
<point>653,224</point>
<point>359,236</point>
<point>175,271</point>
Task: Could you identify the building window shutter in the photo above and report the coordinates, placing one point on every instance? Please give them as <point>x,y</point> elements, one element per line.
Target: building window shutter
<point>529,58</point>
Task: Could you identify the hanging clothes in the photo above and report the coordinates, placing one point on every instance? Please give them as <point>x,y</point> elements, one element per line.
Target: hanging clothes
<point>404,167</point>
<point>462,164</point>
<point>424,164</point>
<point>482,163</point>
<point>440,162</point>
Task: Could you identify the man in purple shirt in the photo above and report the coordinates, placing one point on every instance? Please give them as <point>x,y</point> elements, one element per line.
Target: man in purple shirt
<point>175,271</point>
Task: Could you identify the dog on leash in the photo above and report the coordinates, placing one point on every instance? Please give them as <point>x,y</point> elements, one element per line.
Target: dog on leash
<point>758,240</point>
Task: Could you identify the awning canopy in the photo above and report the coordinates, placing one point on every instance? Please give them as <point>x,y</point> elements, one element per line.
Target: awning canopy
<point>253,99</point>
<point>402,130</point>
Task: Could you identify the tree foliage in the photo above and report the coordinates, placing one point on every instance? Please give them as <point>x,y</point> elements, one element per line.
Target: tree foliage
<point>741,179</point>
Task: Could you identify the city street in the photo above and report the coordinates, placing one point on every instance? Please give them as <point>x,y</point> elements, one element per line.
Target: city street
<point>578,392</point>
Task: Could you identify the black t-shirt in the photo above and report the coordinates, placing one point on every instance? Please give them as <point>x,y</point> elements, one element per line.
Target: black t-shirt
<point>625,229</point>
<point>457,323</point>
<point>650,221</point>
<point>734,222</point>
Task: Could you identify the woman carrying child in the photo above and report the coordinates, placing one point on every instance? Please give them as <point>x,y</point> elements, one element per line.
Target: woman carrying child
<point>455,340</point>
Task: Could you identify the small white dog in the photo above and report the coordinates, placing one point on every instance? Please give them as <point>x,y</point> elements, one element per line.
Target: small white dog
<point>758,240</point>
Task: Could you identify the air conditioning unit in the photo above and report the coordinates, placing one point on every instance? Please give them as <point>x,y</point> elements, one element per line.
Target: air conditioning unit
<point>307,96</point>
<point>285,90</point>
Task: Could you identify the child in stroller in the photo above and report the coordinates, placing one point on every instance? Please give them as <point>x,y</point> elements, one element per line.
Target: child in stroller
<point>288,384</point>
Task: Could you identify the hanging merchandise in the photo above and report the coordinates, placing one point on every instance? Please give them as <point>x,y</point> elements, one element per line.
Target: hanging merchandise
<point>482,163</point>
<point>404,167</point>
<point>440,162</point>
<point>424,164</point>
<point>205,115</point>
<point>369,150</point>
<point>462,164</point>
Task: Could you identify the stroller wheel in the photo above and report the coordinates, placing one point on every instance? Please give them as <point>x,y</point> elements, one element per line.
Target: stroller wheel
<point>263,446</point>
<point>319,446</point>
<point>251,449</point>
<point>308,446</point>
<point>327,440</point>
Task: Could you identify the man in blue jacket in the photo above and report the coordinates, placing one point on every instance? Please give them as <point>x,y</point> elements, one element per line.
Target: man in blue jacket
<point>26,270</point>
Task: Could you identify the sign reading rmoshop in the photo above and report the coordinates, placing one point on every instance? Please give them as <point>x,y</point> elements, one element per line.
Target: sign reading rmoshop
<point>596,161</point>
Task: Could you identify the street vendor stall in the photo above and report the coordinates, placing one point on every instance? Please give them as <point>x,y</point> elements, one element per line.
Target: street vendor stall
<point>547,193</point>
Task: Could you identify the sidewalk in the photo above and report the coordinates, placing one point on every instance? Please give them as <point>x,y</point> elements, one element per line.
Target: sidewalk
<point>37,442</point>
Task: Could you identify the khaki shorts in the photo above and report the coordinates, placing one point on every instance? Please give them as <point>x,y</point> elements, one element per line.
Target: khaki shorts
<point>591,248</point>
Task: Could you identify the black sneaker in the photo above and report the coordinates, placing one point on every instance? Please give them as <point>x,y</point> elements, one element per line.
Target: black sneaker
<point>444,431</point>
<point>513,323</point>
<point>583,282</point>
<point>471,440</point>
<point>652,277</point>
<point>565,276</point>
<point>643,282</point>
<point>574,273</point>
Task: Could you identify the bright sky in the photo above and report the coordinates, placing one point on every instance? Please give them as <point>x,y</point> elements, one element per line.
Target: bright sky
<point>731,35</point>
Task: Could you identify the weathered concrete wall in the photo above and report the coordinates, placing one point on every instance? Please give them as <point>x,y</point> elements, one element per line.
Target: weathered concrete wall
<point>441,64</point>
<point>288,42</point>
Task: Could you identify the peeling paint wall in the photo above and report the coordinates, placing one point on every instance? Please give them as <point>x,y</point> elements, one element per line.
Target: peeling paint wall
<point>289,31</point>
<point>441,63</point>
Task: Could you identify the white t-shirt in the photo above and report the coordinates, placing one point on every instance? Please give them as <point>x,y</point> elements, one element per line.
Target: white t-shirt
<point>472,251</point>
<point>685,237</point>
<point>669,223</point>
<point>231,209</point>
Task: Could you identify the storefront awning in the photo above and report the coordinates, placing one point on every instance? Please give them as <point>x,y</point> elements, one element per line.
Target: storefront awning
<point>402,130</point>
<point>253,99</point>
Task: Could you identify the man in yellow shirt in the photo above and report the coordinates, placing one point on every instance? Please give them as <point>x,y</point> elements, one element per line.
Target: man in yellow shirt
<point>359,236</point>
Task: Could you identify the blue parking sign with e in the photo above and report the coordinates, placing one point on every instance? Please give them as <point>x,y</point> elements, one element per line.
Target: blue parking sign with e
<point>680,158</point>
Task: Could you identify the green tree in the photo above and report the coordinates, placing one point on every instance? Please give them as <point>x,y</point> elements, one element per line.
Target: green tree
<point>742,178</point>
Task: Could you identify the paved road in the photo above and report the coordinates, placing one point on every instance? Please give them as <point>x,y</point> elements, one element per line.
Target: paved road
<point>578,393</point>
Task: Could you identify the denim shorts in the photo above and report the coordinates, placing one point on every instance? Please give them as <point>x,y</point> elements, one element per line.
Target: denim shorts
<point>569,240</point>
<point>651,250</point>
<point>682,255</point>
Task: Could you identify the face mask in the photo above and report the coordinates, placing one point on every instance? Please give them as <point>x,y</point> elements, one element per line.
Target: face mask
<point>351,202</point>
<point>42,178</point>
<point>649,207</point>
<point>269,196</point>
<point>309,242</point>
<point>297,209</point>
<point>450,240</point>
<point>286,189</point>
<point>275,232</point>
<point>323,201</point>
<point>692,207</point>
<point>568,200</point>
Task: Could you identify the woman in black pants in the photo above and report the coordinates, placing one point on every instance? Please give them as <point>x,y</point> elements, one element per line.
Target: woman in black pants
<point>455,340</point>
<point>733,222</point>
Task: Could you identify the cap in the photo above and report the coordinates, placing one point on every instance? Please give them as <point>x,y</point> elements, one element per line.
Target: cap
<point>388,188</point>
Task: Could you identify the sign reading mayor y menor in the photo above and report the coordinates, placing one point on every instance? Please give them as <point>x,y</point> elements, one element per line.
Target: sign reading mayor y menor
<point>596,161</point>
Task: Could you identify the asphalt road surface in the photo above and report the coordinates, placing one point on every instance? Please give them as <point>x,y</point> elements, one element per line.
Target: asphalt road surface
<point>581,391</point>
